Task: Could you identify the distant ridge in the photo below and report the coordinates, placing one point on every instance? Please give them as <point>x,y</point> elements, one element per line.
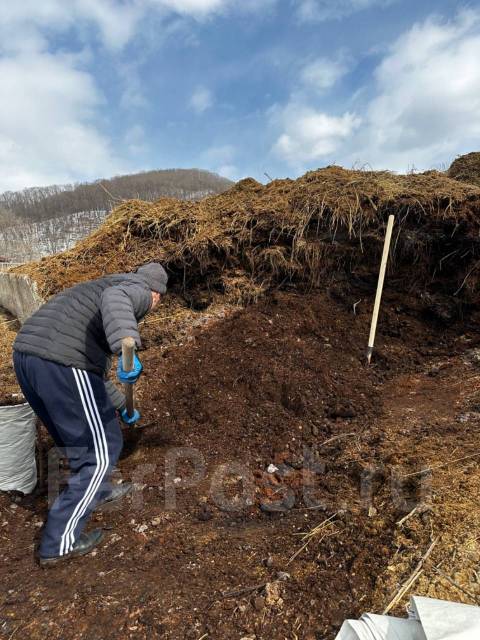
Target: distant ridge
<point>43,203</point>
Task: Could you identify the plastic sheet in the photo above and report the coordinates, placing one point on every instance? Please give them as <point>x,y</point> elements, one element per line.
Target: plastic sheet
<point>446,620</point>
<point>429,620</point>
<point>18,468</point>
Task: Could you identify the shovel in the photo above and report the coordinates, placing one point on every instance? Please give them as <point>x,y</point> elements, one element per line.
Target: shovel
<point>128,352</point>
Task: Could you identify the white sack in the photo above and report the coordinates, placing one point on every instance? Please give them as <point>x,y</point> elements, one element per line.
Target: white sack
<point>430,620</point>
<point>446,620</point>
<point>18,468</point>
<point>374,627</point>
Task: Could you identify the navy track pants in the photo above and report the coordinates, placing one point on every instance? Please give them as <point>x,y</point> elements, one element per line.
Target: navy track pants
<point>75,408</point>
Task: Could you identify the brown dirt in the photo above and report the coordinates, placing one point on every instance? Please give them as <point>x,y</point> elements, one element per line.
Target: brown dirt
<point>439,411</point>
<point>282,382</point>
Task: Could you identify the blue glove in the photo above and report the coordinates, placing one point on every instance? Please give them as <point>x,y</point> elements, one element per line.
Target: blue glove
<point>129,377</point>
<point>130,420</point>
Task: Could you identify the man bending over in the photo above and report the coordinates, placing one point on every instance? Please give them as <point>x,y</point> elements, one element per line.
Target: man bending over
<point>62,355</point>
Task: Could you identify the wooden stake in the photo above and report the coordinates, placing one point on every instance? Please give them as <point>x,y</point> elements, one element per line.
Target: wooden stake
<point>128,352</point>
<point>381,278</point>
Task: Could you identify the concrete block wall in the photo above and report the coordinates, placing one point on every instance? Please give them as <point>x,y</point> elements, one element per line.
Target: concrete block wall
<point>19,295</point>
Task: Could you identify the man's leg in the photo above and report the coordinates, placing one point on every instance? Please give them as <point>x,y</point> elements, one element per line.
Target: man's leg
<point>31,396</point>
<point>82,414</point>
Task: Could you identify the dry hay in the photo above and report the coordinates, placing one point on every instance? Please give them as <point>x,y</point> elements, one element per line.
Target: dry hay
<point>252,237</point>
<point>466,168</point>
<point>9,390</point>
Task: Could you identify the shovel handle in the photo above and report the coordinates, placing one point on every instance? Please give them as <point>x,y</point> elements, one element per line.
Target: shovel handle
<point>128,351</point>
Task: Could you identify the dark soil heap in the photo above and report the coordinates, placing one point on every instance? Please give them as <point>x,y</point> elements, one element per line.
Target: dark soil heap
<point>282,382</point>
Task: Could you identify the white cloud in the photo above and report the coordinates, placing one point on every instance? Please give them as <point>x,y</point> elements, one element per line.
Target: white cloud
<point>221,160</point>
<point>323,73</point>
<point>201,99</point>
<point>228,171</point>
<point>221,154</point>
<point>31,21</point>
<point>47,132</point>
<point>322,10</point>
<point>135,140</point>
<point>51,128</point>
<point>218,155</point>
<point>310,135</point>
<point>423,110</point>
<point>116,22</point>
<point>133,96</point>
<point>193,7</point>
<point>427,103</point>
<point>203,8</point>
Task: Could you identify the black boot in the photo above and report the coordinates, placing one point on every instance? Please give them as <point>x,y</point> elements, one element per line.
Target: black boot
<point>86,543</point>
<point>118,492</point>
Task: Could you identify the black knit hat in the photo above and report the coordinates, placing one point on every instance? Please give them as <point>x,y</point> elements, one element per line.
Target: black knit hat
<point>155,276</point>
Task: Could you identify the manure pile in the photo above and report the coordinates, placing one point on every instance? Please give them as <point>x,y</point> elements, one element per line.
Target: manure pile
<point>306,232</point>
<point>345,474</point>
<point>466,168</point>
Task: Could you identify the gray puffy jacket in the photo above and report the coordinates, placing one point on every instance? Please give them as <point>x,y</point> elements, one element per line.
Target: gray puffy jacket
<point>83,326</point>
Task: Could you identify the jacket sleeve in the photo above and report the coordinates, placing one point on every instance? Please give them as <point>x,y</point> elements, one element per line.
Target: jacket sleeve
<point>116,396</point>
<point>118,306</point>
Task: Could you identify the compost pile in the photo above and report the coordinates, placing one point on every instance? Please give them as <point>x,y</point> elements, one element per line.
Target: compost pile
<point>466,168</point>
<point>324,230</point>
<point>301,232</point>
<point>336,478</point>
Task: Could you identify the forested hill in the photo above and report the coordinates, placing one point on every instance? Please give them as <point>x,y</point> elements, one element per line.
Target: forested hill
<point>43,203</point>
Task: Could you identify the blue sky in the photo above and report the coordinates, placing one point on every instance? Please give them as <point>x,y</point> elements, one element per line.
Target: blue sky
<point>94,88</point>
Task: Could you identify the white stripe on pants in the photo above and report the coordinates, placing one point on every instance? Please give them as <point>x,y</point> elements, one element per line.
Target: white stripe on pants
<point>101,456</point>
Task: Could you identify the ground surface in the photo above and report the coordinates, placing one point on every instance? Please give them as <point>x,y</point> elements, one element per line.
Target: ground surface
<point>282,383</point>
